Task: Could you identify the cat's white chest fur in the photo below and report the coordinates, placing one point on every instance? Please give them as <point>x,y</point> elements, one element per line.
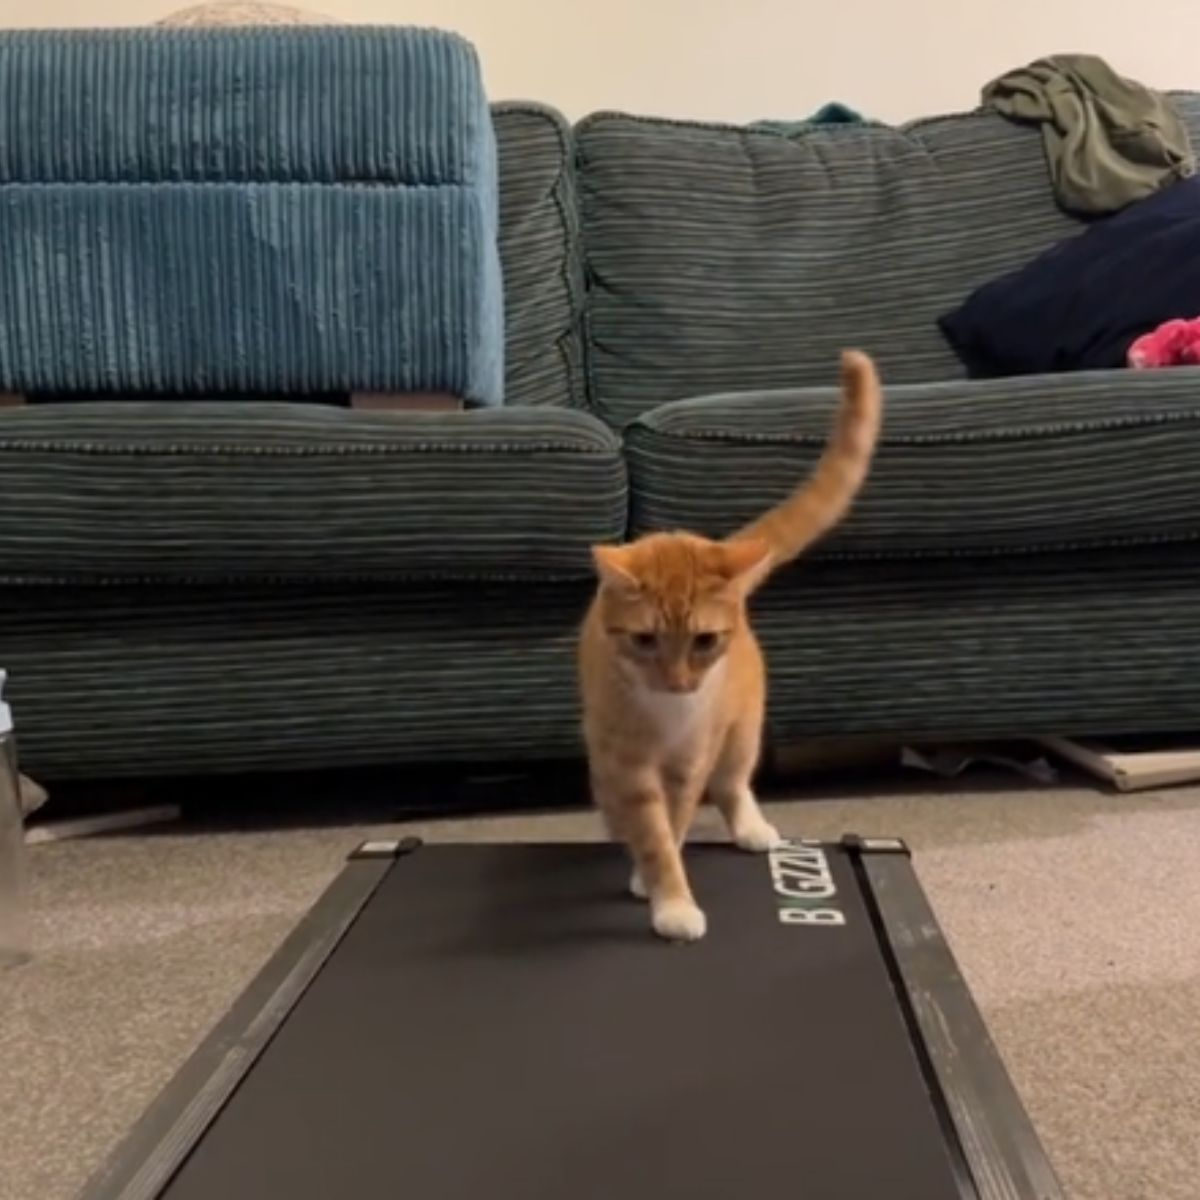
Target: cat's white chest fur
<point>677,717</point>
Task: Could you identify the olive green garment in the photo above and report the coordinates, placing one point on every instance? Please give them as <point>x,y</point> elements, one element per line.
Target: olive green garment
<point>1109,140</point>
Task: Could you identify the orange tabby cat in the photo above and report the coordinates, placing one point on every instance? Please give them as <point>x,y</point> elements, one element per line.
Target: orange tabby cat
<point>672,677</point>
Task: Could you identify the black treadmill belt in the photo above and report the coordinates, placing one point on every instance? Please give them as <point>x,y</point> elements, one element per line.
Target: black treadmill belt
<point>499,1022</point>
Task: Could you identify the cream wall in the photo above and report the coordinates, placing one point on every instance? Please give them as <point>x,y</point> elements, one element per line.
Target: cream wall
<point>746,59</point>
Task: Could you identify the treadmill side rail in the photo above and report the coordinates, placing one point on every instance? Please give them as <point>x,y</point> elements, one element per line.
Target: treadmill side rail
<point>143,1164</point>
<point>998,1140</point>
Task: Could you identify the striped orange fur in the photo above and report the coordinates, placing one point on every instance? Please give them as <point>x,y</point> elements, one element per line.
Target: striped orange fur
<point>672,678</point>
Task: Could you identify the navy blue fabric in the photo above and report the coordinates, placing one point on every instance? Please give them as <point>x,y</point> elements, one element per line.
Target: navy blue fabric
<point>1080,304</point>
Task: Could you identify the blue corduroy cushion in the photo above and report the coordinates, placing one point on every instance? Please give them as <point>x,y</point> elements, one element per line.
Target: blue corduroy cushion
<point>269,210</point>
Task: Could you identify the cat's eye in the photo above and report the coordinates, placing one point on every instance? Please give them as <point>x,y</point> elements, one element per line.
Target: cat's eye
<point>644,641</point>
<point>705,643</point>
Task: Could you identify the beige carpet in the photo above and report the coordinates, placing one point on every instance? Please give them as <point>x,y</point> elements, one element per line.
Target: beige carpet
<point>1074,915</point>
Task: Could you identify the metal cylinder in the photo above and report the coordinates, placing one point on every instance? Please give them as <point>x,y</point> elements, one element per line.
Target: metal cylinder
<point>14,902</point>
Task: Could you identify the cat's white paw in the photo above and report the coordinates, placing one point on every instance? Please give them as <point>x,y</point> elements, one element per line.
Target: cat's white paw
<point>757,835</point>
<point>679,921</point>
<point>637,889</point>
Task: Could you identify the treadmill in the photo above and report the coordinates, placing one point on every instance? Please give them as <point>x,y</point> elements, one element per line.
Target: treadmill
<point>459,1022</point>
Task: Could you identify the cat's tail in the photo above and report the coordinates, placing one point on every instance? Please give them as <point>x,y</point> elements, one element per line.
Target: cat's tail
<point>823,499</point>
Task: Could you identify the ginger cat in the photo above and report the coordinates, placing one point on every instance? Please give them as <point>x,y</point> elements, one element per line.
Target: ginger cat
<point>672,678</point>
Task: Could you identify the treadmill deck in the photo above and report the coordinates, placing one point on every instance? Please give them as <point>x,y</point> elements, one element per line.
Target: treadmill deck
<point>498,1020</point>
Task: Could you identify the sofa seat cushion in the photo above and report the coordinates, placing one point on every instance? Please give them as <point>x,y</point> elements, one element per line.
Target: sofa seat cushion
<point>214,491</point>
<point>1012,466</point>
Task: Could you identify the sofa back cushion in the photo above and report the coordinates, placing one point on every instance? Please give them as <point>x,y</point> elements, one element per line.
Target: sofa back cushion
<point>726,258</point>
<point>541,257</point>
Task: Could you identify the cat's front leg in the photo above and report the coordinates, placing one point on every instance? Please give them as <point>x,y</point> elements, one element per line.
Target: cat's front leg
<point>683,786</point>
<point>732,792</point>
<point>640,814</point>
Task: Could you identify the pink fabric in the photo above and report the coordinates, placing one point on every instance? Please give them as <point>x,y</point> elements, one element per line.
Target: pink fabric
<point>1173,344</point>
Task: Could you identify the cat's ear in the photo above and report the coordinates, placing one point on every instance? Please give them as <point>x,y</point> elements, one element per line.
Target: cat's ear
<point>612,566</point>
<point>748,561</point>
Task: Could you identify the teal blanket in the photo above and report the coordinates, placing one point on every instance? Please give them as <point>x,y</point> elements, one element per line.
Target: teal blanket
<point>833,113</point>
<point>229,211</point>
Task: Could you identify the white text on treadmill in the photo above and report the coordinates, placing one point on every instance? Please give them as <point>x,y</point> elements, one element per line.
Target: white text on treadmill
<point>804,886</point>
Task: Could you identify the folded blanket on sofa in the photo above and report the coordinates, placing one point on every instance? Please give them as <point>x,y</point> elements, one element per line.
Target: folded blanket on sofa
<point>1109,140</point>
<point>278,211</point>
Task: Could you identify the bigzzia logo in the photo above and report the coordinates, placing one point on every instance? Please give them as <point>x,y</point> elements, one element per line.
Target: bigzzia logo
<point>805,893</point>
